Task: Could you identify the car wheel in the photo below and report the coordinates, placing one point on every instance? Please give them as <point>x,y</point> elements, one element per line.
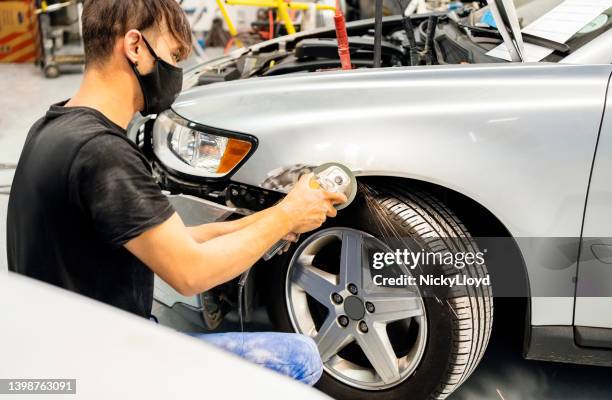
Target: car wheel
<point>52,71</point>
<point>383,342</point>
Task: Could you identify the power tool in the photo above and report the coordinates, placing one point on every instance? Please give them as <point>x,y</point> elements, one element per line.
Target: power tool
<point>331,177</point>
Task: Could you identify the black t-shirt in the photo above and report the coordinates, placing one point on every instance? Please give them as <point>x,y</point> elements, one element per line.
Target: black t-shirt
<point>82,190</point>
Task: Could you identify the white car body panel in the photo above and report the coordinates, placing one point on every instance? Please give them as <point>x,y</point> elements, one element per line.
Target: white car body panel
<point>51,333</point>
<point>594,292</point>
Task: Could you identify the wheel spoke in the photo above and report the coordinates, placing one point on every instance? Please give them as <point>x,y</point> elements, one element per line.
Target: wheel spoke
<point>312,280</point>
<point>377,347</point>
<point>331,338</point>
<point>351,259</point>
<point>393,307</point>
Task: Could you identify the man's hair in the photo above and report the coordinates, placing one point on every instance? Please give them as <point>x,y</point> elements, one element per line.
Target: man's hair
<point>104,21</point>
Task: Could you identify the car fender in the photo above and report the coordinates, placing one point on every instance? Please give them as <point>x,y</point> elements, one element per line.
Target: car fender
<point>519,139</point>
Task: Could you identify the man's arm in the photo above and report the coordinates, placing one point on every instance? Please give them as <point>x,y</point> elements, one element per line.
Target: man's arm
<point>191,267</point>
<point>205,232</point>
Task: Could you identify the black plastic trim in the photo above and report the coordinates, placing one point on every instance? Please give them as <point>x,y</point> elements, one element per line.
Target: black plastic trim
<point>556,343</point>
<point>593,337</point>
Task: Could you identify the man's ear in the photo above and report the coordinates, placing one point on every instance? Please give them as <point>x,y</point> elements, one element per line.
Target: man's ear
<point>132,45</point>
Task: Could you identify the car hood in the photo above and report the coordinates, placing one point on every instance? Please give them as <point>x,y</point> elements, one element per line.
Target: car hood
<point>258,106</point>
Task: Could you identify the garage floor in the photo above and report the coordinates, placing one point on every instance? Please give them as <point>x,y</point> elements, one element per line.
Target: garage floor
<point>503,374</point>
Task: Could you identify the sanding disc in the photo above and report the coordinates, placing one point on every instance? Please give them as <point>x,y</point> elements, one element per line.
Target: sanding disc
<point>351,189</point>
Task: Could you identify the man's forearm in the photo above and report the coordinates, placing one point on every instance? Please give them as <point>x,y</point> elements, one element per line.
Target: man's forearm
<point>205,232</point>
<point>224,257</point>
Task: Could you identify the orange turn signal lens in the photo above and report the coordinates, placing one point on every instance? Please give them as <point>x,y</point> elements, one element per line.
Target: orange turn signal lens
<point>235,152</point>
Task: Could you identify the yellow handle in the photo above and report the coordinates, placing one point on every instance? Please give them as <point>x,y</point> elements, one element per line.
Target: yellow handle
<point>314,184</point>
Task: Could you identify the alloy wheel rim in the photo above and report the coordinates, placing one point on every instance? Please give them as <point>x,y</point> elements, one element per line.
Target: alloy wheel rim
<point>357,311</point>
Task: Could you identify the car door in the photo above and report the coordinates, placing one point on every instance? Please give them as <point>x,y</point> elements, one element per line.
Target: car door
<point>593,310</point>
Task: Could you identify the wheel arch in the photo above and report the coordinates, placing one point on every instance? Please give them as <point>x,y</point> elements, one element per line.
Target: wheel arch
<point>479,220</point>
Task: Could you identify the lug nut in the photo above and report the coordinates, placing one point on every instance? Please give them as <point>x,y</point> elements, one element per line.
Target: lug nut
<point>352,288</point>
<point>369,307</point>
<point>363,327</point>
<point>337,298</point>
<point>343,321</point>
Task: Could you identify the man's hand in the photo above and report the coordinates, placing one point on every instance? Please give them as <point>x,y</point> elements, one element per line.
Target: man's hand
<point>307,208</point>
<point>290,238</point>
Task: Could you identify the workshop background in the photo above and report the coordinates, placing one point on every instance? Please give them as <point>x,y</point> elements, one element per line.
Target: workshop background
<point>41,62</point>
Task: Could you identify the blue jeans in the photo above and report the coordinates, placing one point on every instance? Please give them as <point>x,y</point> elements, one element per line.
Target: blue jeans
<point>291,354</point>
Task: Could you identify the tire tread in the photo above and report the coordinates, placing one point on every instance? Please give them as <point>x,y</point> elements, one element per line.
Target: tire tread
<point>424,215</point>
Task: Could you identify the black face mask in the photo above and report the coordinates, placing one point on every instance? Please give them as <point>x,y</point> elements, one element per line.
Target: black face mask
<point>161,86</point>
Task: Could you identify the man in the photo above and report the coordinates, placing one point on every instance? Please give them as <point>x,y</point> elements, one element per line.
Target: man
<point>85,213</point>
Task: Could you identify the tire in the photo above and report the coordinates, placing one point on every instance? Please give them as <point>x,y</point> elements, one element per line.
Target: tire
<point>458,327</point>
<point>52,71</point>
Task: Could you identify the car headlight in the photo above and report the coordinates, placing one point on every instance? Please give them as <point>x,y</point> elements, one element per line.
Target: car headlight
<point>196,150</point>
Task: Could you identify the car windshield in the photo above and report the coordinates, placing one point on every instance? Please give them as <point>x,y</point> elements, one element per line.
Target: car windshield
<point>530,10</point>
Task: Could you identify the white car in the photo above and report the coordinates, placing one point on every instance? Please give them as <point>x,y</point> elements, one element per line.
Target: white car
<point>51,333</point>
